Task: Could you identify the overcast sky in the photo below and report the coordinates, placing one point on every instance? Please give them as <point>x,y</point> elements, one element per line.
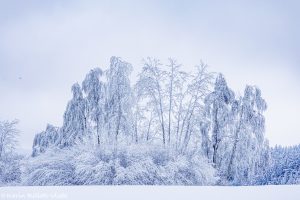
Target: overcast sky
<point>46,46</point>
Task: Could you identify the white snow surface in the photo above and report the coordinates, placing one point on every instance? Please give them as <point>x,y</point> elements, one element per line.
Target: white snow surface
<point>286,192</point>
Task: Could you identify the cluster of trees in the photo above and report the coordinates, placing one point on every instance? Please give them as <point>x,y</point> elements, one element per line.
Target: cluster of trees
<point>284,167</point>
<point>170,127</point>
<point>164,107</point>
<point>100,111</point>
<point>233,133</point>
<point>179,111</point>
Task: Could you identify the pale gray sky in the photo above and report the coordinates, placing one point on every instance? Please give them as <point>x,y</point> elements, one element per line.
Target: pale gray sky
<point>46,46</point>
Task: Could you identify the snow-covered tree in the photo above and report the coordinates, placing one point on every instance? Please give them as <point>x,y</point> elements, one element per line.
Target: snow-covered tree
<point>175,77</point>
<point>284,166</point>
<point>218,107</point>
<point>248,138</point>
<point>173,128</point>
<point>150,86</point>
<point>9,159</point>
<point>145,121</point>
<point>119,100</point>
<point>46,139</point>
<point>205,139</point>
<point>74,126</point>
<point>173,101</point>
<point>263,165</point>
<point>191,106</point>
<point>8,137</point>
<point>94,89</point>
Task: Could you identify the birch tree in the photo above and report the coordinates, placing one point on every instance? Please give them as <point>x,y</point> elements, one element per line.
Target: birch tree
<point>94,89</point>
<point>151,86</point>
<point>119,99</point>
<point>248,140</point>
<point>174,86</point>
<point>192,104</point>
<point>218,105</point>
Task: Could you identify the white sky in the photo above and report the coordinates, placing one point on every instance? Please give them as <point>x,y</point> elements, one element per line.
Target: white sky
<point>46,46</point>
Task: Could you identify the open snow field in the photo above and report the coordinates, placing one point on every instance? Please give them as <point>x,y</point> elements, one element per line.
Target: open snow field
<point>152,192</point>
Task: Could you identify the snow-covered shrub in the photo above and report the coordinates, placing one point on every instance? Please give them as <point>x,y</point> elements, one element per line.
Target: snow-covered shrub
<point>10,172</point>
<point>141,165</point>
<point>51,168</point>
<point>128,165</point>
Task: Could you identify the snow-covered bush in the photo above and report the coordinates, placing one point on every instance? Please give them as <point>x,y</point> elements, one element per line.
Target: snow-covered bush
<point>51,168</point>
<point>130,165</point>
<point>139,165</point>
<point>10,172</point>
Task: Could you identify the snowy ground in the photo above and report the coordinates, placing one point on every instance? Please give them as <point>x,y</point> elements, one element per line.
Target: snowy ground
<point>152,192</point>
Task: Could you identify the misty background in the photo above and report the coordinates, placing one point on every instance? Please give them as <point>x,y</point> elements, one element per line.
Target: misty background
<point>46,46</point>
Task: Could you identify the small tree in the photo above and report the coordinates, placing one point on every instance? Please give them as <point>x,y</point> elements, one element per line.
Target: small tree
<point>8,137</point>
<point>9,160</point>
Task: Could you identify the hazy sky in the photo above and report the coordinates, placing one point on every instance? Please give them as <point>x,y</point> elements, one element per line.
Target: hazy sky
<point>46,46</point>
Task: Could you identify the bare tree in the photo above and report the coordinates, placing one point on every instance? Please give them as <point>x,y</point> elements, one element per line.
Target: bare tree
<point>196,92</point>
<point>174,85</point>
<point>150,85</point>
<point>175,98</point>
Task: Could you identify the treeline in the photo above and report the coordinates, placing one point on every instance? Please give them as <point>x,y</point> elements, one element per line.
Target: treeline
<point>284,167</point>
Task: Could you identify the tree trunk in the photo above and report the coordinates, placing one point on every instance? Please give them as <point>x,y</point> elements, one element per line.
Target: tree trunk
<point>215,137</point>
<point>232,157</point>
<point>149,126</point>
<point>170,103</point>
<point>162,120</point>
<point>98,136</point>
